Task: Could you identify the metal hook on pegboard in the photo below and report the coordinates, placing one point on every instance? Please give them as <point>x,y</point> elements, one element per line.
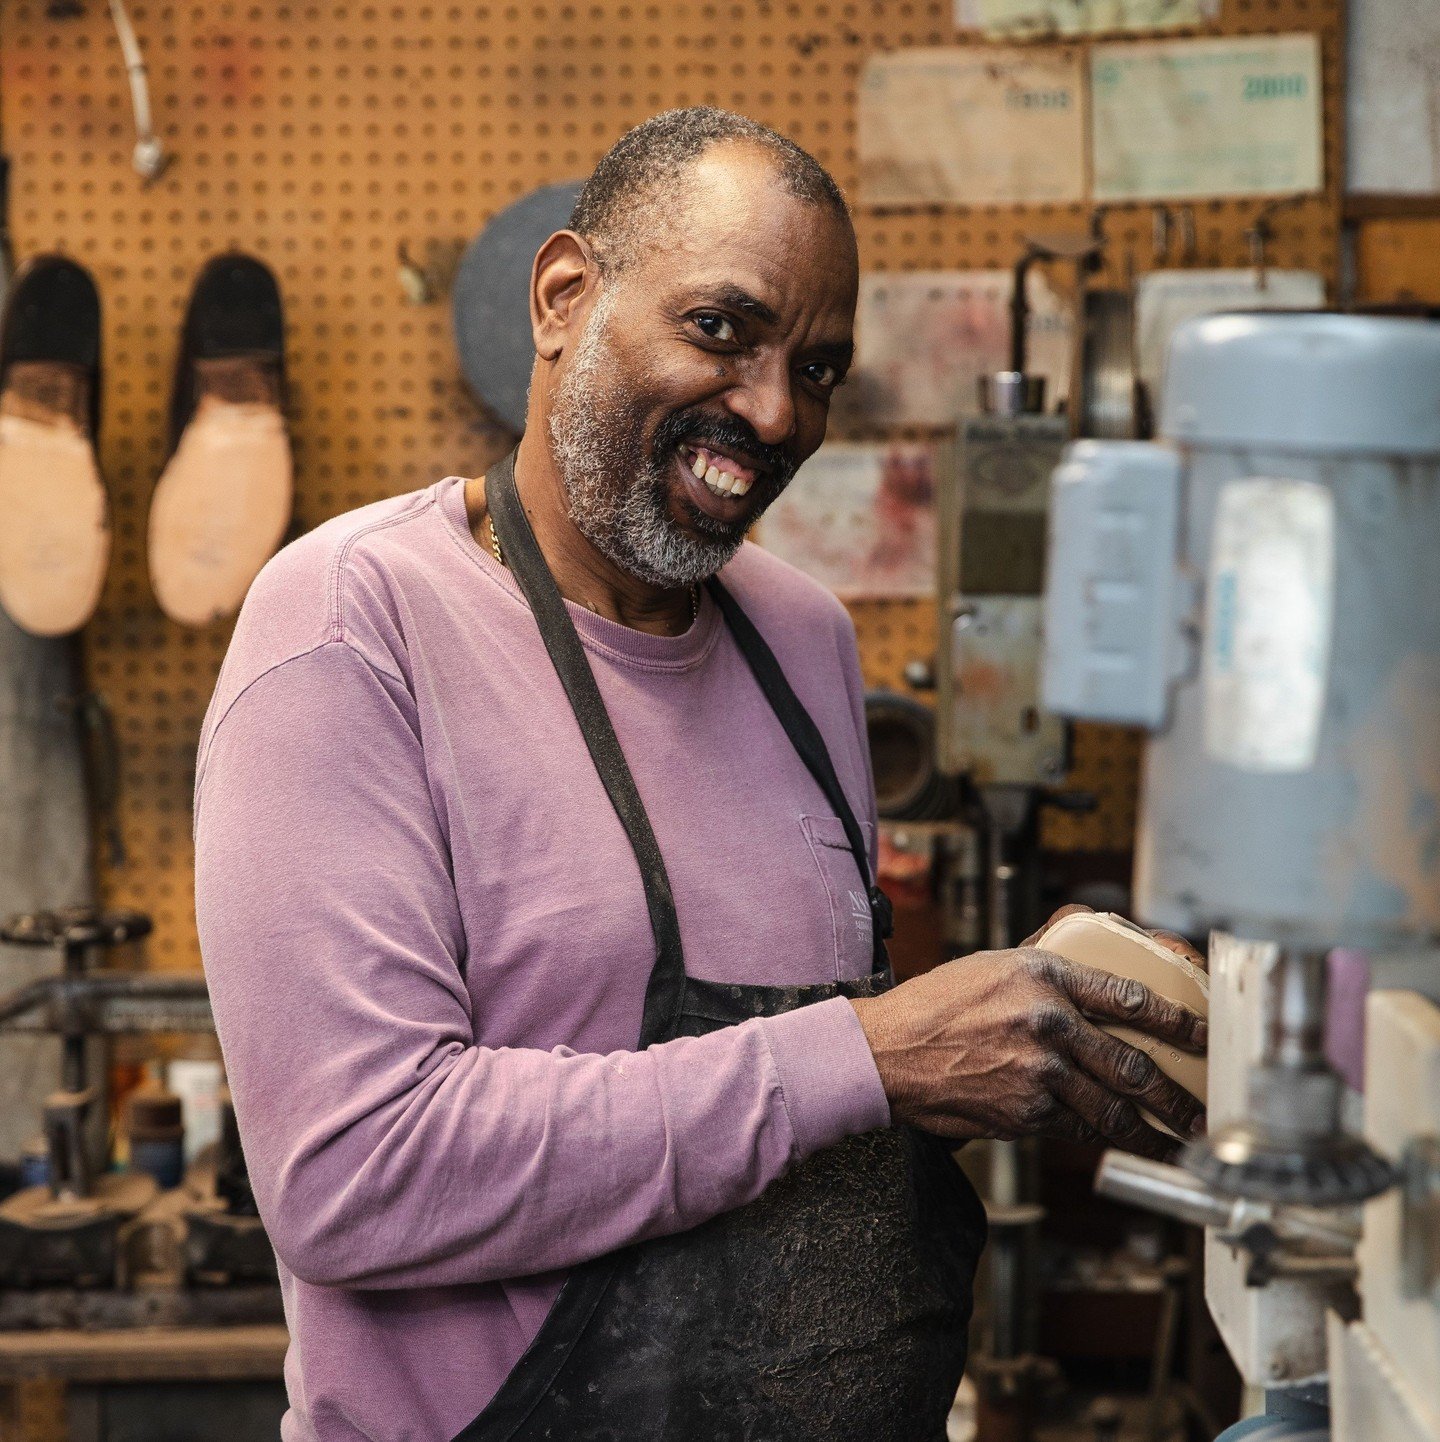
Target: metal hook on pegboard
<point>1261,232</point>
<point>149,157</point>
<point>414,283</point>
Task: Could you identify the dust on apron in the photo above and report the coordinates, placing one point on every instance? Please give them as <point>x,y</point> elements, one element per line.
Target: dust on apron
<point>835,1305</point>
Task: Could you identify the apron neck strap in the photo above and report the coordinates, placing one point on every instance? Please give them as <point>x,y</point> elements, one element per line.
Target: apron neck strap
<point>809,744</point>
<point>665,991</point>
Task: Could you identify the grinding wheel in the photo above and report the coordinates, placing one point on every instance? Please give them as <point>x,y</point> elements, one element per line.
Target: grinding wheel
<point>491,299</point>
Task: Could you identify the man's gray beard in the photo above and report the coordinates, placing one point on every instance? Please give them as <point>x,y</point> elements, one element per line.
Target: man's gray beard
<point>619,505</point>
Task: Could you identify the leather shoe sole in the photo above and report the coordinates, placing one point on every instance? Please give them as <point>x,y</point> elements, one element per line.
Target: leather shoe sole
<point>55,536</point>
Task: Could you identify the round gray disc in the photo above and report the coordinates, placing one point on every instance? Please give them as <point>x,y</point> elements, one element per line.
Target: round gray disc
<point>491,299</point>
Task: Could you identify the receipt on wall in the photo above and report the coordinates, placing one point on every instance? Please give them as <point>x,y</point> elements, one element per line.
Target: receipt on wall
<point>1173,119</point>
<point>1035,18</point>
<point>971,126</point>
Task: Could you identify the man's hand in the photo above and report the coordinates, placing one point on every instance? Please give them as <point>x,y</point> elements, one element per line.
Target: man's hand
<point>998,1045</point>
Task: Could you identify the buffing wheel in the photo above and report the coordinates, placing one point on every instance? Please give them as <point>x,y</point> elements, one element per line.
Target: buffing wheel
<point>491,299</point>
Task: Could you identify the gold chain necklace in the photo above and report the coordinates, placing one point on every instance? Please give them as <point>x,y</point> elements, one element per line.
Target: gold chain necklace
<point>499,556</point>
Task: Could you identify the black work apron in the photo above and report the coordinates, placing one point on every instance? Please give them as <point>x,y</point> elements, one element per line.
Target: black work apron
<point>835,1306</point>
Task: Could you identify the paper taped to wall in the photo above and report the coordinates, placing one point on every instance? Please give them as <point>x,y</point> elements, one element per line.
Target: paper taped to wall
<point>1172,119</point>
<point>1035,18</point>
<point>860,517</point>
<point>1392,97</point>
<point>972,126</point>
<point>1164,299</point>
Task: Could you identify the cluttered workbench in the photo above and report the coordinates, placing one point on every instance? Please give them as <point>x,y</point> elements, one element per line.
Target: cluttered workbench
<point>158,1276</point>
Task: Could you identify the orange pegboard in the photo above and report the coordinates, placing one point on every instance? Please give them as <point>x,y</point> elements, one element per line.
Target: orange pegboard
<point>319,137</point>
<point>1395,261</point>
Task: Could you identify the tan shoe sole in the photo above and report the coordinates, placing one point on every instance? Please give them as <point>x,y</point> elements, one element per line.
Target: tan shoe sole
<point>54,531</point>
<point>1110,943</point>
<point>220,509</point>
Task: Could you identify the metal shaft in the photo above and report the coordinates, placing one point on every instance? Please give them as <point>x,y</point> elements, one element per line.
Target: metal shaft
<point>1159,1187</point>
<point>1173,1192</point>
<point>1295,1035</point>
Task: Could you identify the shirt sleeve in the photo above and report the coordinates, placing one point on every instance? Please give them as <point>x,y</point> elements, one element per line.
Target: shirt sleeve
<point>386,1147</point>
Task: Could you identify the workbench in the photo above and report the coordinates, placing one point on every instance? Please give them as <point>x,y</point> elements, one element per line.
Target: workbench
<point>68,1385</point>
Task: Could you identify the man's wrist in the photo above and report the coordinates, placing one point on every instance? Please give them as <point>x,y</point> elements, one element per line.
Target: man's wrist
<point>877,1025</point>
<point>827,1074</point>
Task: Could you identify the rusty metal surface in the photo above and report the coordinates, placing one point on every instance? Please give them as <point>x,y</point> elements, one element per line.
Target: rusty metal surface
<point>999,734</point>
<point>36,1412</point>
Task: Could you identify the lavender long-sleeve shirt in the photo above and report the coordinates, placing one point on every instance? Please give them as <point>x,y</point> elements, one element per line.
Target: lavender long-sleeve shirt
<point>427,945</point>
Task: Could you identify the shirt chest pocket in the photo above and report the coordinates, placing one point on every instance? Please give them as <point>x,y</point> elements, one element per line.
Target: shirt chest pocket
<point>847,891</point>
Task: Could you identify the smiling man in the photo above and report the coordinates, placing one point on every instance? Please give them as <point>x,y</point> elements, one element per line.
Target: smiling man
<point>534,843</point>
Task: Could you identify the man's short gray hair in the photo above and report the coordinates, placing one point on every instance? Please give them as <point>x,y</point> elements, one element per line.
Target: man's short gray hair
<point>639,177</point>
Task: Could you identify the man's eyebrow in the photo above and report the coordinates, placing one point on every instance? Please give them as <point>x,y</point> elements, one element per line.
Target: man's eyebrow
<point>839,353</point>
<point>729,294</point>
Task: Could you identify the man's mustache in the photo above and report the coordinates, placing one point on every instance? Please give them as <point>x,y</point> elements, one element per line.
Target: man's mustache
<point>727,433</point>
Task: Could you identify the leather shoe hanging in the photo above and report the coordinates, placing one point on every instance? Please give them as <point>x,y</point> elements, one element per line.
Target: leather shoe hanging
<point>223,502</point>
<point>54,526</point>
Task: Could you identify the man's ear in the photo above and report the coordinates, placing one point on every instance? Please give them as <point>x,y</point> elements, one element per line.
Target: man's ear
<point>563,276</point>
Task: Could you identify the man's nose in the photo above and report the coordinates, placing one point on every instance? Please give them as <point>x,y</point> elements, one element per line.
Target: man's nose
<point>767,403</point>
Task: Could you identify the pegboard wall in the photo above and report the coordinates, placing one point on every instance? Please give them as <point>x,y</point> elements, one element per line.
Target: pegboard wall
<point>322,136</point>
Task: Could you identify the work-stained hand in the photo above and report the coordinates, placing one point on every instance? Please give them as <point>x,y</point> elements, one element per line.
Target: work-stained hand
<point>1001,1044</point>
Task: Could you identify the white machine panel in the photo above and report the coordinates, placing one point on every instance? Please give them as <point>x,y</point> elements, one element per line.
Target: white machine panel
<point>1110,630</point>
<point>1387,1365</point>
<point>1369,1400</point>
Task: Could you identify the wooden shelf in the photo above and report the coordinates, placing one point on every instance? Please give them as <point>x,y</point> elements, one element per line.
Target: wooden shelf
<point>145,1354</point>
<point>1375,206</point>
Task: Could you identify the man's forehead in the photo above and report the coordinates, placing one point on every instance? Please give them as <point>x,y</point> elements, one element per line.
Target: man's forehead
<point>735,227</point>
<point>736,174</point>
<point>737,194</point>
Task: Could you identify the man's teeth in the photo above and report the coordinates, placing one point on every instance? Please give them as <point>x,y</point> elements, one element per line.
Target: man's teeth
<point>721,482</point>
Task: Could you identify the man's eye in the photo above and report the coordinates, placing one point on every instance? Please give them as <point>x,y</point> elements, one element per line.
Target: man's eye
<point>822,374</point>
<point>714,325</point>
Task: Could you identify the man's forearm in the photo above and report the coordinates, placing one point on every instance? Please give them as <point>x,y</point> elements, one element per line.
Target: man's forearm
<point>500,1163</point>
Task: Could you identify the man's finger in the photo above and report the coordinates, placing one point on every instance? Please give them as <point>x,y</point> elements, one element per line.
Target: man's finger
<point>1067,1126</point>
<point>1064,911</point>
<point>1171,942</point>
<point>1102,995</point>
<point>1126,1070</point>
<point>1113,1117</point>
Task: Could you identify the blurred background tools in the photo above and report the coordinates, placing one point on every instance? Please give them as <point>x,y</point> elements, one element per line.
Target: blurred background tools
<point>1255,591</point>
<point>84,1243</point>
<point>490,305</point>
